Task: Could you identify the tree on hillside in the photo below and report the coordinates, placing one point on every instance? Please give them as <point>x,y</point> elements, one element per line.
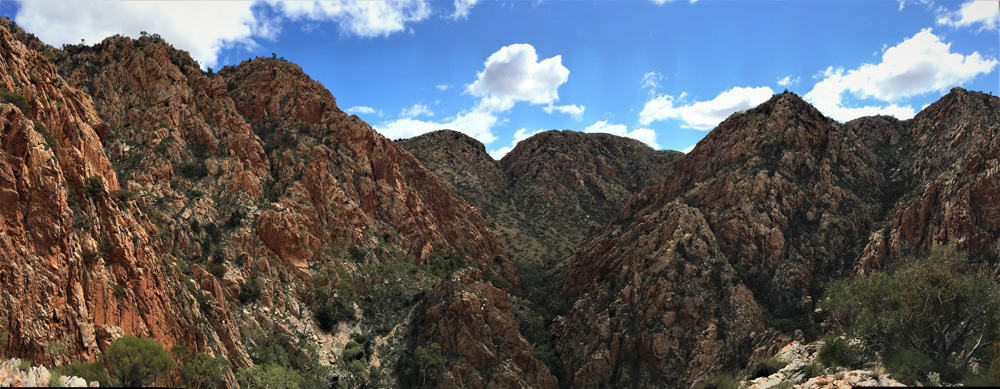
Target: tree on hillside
<point>934,314</point>
<point>134,362</point>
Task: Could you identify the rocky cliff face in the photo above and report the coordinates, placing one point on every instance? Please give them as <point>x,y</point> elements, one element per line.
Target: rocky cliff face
<point>944,185</point>
<point>199,209</point>
<point>549,193</point>
<point>472,321</point>
<point>790,200</point>
<point>226,212</point>
<point>80,264</point>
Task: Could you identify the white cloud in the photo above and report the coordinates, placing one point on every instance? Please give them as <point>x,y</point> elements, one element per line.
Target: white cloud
<point>200,27</point>
<point>788,81</point>
<point>651,82</point>
<point>644,135</point>
<point>358,17</point>
<point>523,134</point>
<point>520,135</point>
<point>498,154</point>
<point>204,28</point>
<point>576,111</point>
<point>462,8</point>
<point>985,12</point>
<point>689,148</point>
<point>509,75</point>
<point>416,110</point>
<point>442,87</point>
<point>476,123</point>
<point>514,74</point>
<point>917,65</point>
<point>360,109</point>
<point>703,115</point>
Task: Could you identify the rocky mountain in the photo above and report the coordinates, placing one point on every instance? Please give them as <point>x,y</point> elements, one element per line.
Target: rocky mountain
<point>226,212</point>
<point>747,230</point>
<point>244,215</point>
<point>551,191</point>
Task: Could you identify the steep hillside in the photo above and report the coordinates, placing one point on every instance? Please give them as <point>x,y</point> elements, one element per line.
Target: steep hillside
<point>549,193</point>
<point>946,183</point>
<point>80,261</point>
<point>788,200</point>
<point>232,213</point>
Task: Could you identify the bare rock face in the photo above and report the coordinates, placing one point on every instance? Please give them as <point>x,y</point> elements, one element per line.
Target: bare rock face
<point>657,304</point>
<point>157,193</point>
<point>549,193</point>
<point>472,321</point>
<point>790,200</point>
<point>74,258</point>
<point>946,183</point>
<point>755,219</point>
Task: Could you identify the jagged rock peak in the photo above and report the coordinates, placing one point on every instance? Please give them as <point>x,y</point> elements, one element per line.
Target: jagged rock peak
<point>275,87</point>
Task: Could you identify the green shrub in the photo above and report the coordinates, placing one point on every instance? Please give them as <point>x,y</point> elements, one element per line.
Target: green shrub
<point>765,368</point>
<point>123,195</point>
<point>24,365</point>
<point>49,139</point>
<point>93,186</point>
<point>430,361</point>
<point>55,380</point>
<point>88,371</point>
<point>336,309</point>
<point>934,314</point>
<point>217,269</point>
<point>722,381</point>
<point>132,361</point>
<point>814,369</point>
<point>15,98</point>
<point>204,372</point>
<point>235,219</point>
<point>193,170</point>
<point>358,253</point>
<point>352,351</point>
<point>837,352</point>
<point>269,376</point>
<point>249,292</point>
<point>443,262</point>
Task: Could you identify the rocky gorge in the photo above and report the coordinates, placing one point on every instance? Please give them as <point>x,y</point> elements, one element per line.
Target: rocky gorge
<point>242,220</point>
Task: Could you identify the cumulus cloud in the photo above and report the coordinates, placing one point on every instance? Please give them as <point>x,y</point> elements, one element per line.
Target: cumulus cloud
<point>358,17</point>
<point>703,115</point>
<point>788,81</point>
<point>203,28</point>
<point>643,135</point>
<point>200,27</point>
<point>514,74</point>
<point>689,148</point>
<point>462,8</point>
<point>917,65</point>
<point>511,74</point>
<point>442,87</point>
<point>476,123</point>
<point>361,109</point>
<point>983,12</point>
<point>576,111</point>
<point>416,110</point>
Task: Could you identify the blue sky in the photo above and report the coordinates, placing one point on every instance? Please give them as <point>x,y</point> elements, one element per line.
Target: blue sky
<point>664,72</point>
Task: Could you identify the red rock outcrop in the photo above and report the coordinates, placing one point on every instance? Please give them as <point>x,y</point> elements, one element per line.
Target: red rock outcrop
<point>472,321</point>
<point>76,263</point>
